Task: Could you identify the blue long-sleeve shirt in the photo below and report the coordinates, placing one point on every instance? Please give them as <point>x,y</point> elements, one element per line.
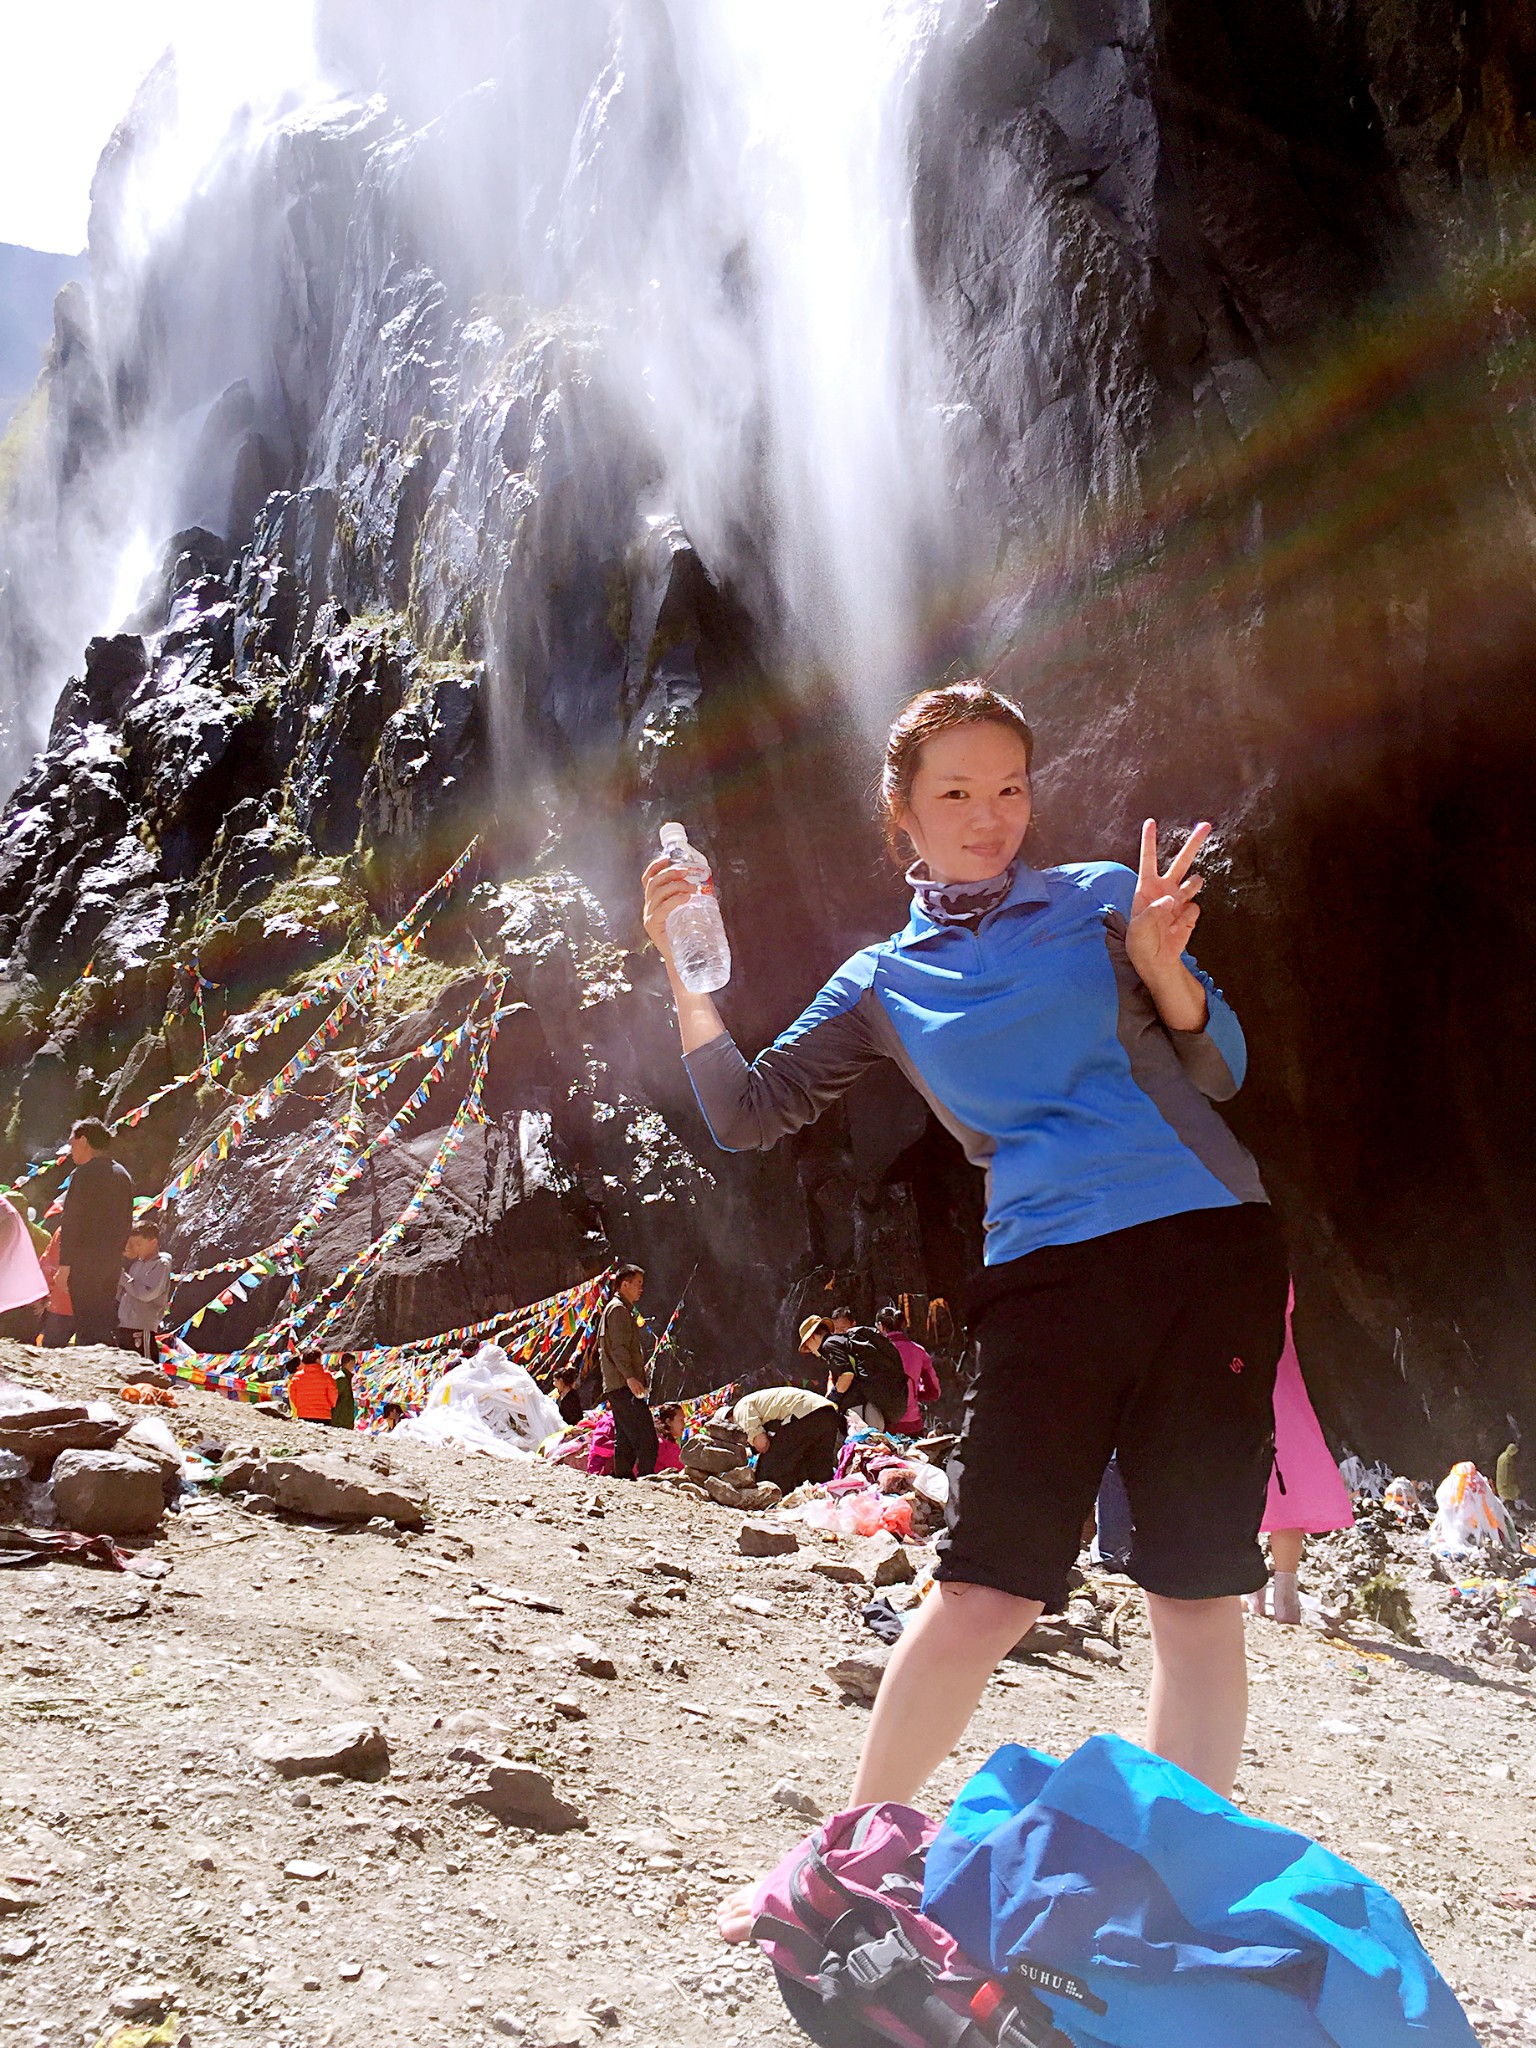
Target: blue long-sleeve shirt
<point>1034,1041</point>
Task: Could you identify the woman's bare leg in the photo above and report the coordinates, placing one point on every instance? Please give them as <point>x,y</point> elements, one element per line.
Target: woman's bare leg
<point>933,1684</point>
<point>931,1688</point>
<point>1197,1710</point>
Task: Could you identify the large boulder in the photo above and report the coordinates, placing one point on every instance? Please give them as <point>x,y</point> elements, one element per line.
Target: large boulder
<point>143,1443</point>
<point>107,1493</point>
<point>38,1426</point>
<point>335,1490</point>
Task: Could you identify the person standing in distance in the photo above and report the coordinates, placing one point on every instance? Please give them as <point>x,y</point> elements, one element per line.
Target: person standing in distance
<point>93,1232</point>
<point>625,1380</point>
<point>916,1363</point>
<point>1135,1283</point>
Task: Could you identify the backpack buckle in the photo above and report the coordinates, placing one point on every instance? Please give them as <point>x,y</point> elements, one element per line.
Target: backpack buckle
<point>871,1964</point>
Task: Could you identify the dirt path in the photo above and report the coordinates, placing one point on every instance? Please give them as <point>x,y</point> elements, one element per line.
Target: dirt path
<point>141,1844</point>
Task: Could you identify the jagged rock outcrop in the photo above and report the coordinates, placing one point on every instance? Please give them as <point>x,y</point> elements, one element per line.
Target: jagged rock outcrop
<point>1241,505</point>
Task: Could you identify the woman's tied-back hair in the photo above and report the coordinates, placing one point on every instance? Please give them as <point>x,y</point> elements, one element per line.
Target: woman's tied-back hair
<point>930,713</point>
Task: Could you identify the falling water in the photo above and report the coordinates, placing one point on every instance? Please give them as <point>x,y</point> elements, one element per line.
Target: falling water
<point>799,154</point>
<point>176,313</point>
<point>725,187</point>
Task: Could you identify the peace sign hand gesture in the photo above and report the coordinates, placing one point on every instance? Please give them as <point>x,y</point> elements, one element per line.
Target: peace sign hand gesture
<point>1164,914</point>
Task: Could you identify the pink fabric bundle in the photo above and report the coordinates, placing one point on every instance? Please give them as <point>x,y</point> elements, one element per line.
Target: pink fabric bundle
<point>600,1452</point>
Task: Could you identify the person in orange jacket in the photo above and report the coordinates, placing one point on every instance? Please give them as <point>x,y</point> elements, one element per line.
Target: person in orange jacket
<point>59,1316</point>
<point>311,1390</point>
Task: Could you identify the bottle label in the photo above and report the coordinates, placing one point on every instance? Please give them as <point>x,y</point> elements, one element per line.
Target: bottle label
<point>704,888</point>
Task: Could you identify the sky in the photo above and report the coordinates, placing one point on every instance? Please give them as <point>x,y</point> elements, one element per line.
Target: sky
<point>72,67</point>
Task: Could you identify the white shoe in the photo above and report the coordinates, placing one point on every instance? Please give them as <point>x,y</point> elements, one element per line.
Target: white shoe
<point>1287,1600</point>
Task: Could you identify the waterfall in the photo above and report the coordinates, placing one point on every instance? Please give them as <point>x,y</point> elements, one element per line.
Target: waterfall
<point>178,314</point>
<point>724,189</point>
<point>798,172</point>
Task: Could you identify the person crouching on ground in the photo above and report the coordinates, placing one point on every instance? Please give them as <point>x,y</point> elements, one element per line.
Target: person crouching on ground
<point>795,1433</point>
<point>625,1382</point>
<point>670,1423</point>
<point>143,1292</point>
<point>1134,1297</point>
<point>567,1400</point>
<point>311,1390</point>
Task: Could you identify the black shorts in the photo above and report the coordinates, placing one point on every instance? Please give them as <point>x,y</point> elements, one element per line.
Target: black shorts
<point>1159,1343</point>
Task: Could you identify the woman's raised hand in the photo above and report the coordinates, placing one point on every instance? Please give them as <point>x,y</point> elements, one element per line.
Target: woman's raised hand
<point>665,887</point>
<point>1164,912</point>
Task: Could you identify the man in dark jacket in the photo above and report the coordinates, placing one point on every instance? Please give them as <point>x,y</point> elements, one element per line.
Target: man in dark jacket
<point>93,1231</point>
<point>865,1375</point>
<point>625,1379</point>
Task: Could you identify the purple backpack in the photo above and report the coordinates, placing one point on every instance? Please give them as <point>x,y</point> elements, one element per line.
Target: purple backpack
<point>858,1963</point>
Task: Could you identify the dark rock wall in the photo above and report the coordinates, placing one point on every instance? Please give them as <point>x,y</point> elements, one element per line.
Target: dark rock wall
<point>1233,308</point>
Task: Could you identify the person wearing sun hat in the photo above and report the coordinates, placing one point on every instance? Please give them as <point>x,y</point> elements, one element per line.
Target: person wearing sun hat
<point>812,1331</point>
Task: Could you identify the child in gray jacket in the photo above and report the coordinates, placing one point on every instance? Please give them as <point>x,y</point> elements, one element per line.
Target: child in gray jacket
<point>143,1292</point>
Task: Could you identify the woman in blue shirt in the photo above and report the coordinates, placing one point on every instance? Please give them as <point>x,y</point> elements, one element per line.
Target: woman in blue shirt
<point>1133,1299</point>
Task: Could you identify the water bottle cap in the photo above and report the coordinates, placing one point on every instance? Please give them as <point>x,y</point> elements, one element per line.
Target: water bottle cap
<point>673,835</point>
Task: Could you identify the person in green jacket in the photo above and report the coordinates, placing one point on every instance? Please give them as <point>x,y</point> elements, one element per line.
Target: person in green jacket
<point>344,1414</point>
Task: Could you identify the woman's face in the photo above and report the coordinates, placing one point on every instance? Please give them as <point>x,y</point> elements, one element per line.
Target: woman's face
<point>969,807</point>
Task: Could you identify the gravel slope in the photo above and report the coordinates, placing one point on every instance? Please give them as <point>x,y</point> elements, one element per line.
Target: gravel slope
<point>144,1850</point>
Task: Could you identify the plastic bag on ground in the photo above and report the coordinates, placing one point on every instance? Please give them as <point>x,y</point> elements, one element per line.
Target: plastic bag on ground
<point>1471,1515</point>
<point>1371,1481</point>
<point>897,1517</point>
<point>1402,1497</point>
<point>932,1482</point>
<point>150,1429</point>
<point>866,1513</point>
<point>485,1404</point>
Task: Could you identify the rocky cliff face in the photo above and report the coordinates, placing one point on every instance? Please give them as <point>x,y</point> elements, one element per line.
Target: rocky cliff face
<point>1231,321</point>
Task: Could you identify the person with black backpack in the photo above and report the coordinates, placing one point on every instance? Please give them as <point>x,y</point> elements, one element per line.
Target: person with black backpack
<point>865,1375</point>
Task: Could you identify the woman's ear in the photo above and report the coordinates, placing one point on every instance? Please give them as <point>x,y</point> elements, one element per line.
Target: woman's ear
<point>902,822</point>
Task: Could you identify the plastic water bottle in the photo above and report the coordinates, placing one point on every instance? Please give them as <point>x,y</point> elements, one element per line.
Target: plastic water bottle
<point>701,952</point>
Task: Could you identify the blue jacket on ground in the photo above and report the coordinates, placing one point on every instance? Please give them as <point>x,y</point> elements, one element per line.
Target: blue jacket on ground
<point>1150,1913</point>
<point>1035,1042</point>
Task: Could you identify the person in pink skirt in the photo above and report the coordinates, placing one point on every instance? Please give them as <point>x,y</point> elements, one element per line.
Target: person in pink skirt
<point>1307,1497</point>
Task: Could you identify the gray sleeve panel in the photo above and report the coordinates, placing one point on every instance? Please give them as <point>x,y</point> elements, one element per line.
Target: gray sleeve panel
<point>750,1107</point>
<point>1165,1074</point>
<point>977,1146</point>
<point>1201,1058</point>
